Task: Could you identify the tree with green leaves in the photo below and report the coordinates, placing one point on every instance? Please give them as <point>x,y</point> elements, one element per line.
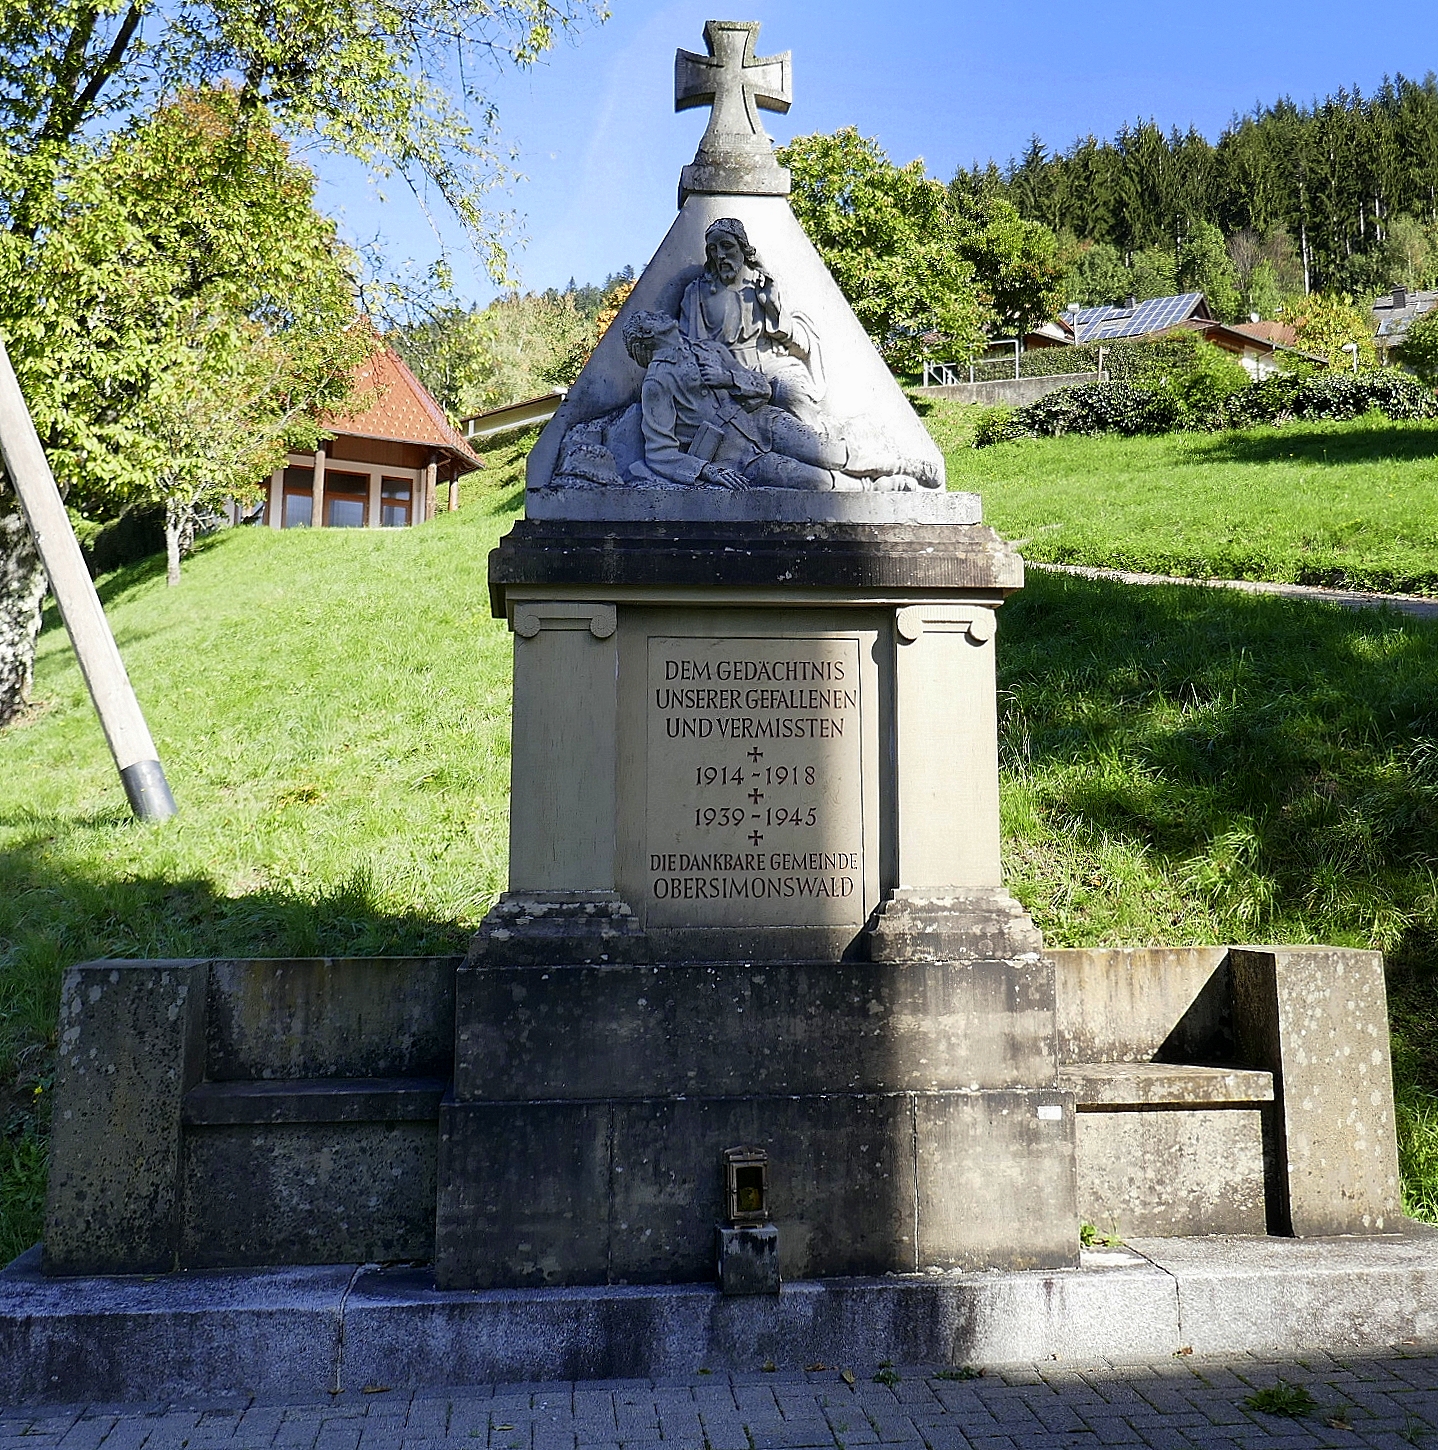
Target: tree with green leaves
<point>395,84</point>
<point>1326,323</point>
<point>1337,175</point>
<point>1096,275</point>
<point>1267,270</point>
<point>199,314</point>
<point>1153,272</point>
<point>1017,263</point>
<point>1410,253</point>
<point>520,345</point>
<point>890,237</point>
<point>1419,353</point>
<point>1205,267</point>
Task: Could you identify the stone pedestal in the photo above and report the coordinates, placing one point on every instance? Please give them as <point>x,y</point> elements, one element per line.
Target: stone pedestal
<point>754,897</point>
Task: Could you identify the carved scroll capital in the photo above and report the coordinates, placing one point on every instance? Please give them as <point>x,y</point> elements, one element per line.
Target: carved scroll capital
<point>975,620</point>
<point>531,617</point>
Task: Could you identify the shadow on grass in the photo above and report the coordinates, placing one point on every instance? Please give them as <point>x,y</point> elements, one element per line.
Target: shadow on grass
<point>54,913</point>
<point>112,587</point>
<point>1251,768</point>
<point>1275,759</point>
<point>1377,442</point>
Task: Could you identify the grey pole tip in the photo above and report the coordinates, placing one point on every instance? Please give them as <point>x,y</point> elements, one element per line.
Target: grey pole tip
<point>148,790</point>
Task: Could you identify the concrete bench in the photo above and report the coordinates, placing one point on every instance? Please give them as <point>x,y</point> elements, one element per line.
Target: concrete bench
<point>1228,1089</point>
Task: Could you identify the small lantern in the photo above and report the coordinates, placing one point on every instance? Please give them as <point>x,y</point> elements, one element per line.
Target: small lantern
<point>746,1184</point>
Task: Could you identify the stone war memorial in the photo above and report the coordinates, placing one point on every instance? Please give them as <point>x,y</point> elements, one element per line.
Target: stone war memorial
<point>756,1058</point>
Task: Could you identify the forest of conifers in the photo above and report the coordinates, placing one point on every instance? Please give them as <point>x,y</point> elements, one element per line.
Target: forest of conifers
<point>1334,175</point>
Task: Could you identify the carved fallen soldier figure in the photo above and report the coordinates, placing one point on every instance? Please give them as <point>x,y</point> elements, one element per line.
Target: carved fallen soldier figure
<point>734,396</point>
<point>706,419</point>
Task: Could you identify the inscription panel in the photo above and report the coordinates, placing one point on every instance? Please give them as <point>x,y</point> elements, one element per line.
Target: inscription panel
<point>754,800</point>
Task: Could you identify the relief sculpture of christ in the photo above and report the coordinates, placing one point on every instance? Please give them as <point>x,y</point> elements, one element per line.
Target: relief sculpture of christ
<point>736,302</point>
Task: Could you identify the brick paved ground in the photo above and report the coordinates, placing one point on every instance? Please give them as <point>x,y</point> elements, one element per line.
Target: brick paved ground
<point>1388,1402</point>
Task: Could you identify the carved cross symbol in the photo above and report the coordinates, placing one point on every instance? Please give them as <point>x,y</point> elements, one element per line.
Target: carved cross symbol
<point>754,838</point>
<point>756,754</point>
<point>756,795</point>
<point>732,79</point>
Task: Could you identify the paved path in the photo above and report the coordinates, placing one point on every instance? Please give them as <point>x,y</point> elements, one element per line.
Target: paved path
<point>1345,598</point>
<point>1388,1402</point>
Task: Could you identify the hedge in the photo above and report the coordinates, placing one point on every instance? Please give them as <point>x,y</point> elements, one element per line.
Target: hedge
<point>1129,408</point>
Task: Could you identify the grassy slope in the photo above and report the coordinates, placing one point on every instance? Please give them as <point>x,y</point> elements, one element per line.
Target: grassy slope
<point>1191,765</point>
<point>332,709</point>
<point>1350,504</point>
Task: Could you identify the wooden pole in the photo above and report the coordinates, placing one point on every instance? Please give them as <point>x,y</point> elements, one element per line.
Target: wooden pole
<point>129,737</point>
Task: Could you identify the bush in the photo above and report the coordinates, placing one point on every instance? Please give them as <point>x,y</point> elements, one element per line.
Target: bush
<point>1202,400</point>
<point>1420,348</point>
<point>1330,395</point>
<point>1100,408</point>
<point>996,425</point>
<point>1143,360</point>
<point>1210,379</point>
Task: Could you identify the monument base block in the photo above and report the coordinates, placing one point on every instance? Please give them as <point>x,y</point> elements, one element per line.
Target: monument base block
<point>754,898</point>
<point>747,1259</point>
<point>623,1191</point>
<point>956,925</point>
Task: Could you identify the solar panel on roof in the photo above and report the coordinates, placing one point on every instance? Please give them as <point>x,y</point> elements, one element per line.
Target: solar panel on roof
<point>1104,324</point>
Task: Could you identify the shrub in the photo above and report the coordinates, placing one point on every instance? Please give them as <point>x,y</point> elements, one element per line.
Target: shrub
<point>1142,360</point>
<point>1211,377</point>
<point>1330,395</point>
<point>1202,400</point>
<point>1088,409</point>
<point>996,425</point>
<point>1325,323</point>
<point>1420,348</point>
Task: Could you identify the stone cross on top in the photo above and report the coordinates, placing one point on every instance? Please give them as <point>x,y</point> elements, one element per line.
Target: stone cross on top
<point>735,153</point>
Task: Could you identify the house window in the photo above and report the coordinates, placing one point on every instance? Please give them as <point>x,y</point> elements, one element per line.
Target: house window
<point>394,503</point>
<point>346,499</point>
<point>299,498</point>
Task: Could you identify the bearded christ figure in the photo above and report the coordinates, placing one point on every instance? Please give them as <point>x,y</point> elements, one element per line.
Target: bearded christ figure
<point>736,302</point>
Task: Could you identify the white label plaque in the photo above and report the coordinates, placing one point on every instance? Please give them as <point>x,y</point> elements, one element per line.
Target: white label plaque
<point>755,788</point>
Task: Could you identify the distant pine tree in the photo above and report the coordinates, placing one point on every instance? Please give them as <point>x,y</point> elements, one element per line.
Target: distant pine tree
<point>1334,177</point>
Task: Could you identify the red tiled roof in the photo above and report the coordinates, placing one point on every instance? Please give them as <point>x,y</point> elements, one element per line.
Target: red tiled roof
<point>1272,335</point>
<point>402,410</point>
<point>1280,334</point>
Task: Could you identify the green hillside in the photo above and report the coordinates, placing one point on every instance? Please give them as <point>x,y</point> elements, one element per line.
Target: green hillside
<point>1353,505</point>
<point>1180,765</point>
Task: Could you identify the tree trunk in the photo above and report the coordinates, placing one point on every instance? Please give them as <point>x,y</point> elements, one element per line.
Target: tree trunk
<point>22,588</point>
<point>179,535</point>
<point>172,547</point>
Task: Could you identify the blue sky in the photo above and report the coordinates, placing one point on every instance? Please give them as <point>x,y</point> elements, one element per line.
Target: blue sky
<point>600,145</point>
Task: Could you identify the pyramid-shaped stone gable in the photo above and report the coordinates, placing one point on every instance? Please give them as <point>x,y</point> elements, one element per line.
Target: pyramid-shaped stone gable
<point>833,438</point>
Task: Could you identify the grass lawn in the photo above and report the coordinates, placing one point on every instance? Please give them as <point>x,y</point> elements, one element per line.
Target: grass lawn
<point>1179,765</point>
<point>1353,505</point>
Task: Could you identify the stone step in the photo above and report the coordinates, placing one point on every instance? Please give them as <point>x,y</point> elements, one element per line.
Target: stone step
<point>1154,1084</point>
<point>309,1331</point>
<point>314,1100</point>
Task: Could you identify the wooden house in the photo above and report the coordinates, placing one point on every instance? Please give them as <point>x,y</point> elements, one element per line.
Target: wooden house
<point>383,467</point>
<point>1255,344</point>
